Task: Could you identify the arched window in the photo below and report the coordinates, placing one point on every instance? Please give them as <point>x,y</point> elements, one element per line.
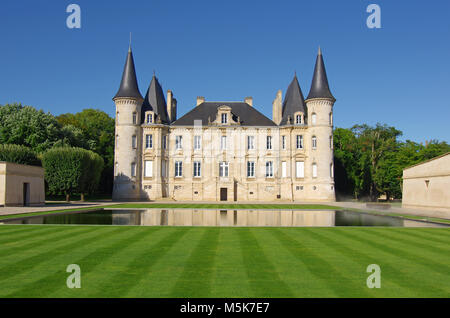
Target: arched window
<point>313,118</point>
<point>314,142</point>
<point>330,118</point>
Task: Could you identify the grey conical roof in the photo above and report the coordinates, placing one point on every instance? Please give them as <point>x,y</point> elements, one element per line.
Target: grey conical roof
<point>293,102</point>
<point>155,101</point>
<point>319,85</point>
<point>128,85</point>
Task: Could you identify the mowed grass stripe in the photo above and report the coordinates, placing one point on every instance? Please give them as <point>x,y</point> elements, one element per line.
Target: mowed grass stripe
<point>35,240</point>
<point>144,256</point>
<point>442,235</point>
<point>318,265</point>
<point>79,240</point>
<point>230,276</point>
<point>301,281</point>
<point>195,281</point>
<point>410,254</point>
<point>398,238</point>
<point>394,281</point>
<point>262,276</point>
<point>54,284</point>
<point>423,236</point>
<point>5,231</point>
<point>435,277</point>
<point>19,235</point>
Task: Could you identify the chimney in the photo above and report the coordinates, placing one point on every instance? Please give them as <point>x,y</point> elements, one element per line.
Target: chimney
<point>200,99</point>
<point>249,100</point>
<point>173,116</point>
<point>169,104</point>
<point>276,108</point>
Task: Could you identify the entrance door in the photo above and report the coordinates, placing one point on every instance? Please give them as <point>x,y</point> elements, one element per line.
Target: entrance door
<point>26,194</point>
<point>223,194</point>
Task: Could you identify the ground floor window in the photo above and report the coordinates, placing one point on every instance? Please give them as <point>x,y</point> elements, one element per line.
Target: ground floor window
<point>269,169</point>
<point>133,169</point>
<point>197,169</point>
<point>148,171</point>
<point>178,168</point>
<point>250,169</point>
<point>299,169</point>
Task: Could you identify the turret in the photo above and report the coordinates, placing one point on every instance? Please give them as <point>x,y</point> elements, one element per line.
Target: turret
<point>127,166</point>
<point>320,103</point>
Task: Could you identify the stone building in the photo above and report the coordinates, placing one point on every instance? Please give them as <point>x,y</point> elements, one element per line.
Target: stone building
<point>21,185</point>
<point>224,150</point>
<point>427,185</point>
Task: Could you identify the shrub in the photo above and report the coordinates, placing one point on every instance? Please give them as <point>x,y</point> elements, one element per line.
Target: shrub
<point>18,154</point>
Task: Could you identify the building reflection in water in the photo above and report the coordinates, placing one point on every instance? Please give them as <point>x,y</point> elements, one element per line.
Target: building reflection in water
<point>192,217</point>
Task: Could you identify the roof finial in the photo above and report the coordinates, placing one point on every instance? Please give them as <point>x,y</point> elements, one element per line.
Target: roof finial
<point>153,73</point>
<point>320,51</point>
<point>129,47</point>
<point>295,73</point>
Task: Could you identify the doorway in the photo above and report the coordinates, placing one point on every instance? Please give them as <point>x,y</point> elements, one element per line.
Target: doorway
<point>26,194</point>
<point>223,194</point>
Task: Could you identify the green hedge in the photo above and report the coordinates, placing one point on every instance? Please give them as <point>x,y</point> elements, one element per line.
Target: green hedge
<point>69,170</point>
<point>19,154</point>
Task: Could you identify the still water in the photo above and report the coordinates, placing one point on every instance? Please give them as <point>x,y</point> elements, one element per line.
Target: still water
<point>202,217</point>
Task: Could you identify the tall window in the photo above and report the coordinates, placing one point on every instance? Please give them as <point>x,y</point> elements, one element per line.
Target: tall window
<point>250,142</point>
<point>224,118</point>
<point>314,170</point>
<point>313,118</point>
<point>134,118</point>
<point>197,142</point>
<point>314,142</point>
<point>283,142</point>
<point>298,119</point>
<point>331,142</point>
<point>299,141</point>
<point>133,142</point>
<point>299,169</point>
<point>269,142</point>
<point>178,140</point>
<point>331,171</point>
<point>163,168</point>
<point>330,118</point>
<point>197,169</point>
<point>178,168</point>
<point>117,140</point>
<point>133,169</point>
<point>250,169</point>
<point>148,141</point>
<point>283,169</point>
<point>148,171</point>
<point>223,142</point>
<point>149,118</point>
<point>164,142</point>
<point>223,169</point>
<point>269,169</point>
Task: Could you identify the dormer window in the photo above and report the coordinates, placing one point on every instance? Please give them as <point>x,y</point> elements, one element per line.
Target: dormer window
<point>149,117</point>
<point>224,118</point>
<point>298,119</point>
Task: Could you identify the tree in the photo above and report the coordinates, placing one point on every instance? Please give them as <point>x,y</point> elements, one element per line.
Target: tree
<point>69,170</point>
<point>97,128</point>
<point>24,125</point>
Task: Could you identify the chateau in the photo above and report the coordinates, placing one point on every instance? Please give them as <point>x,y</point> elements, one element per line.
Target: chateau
<point>224,150</point>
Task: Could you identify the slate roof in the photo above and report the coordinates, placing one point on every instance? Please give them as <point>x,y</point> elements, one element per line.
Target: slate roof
<point>319,85</point>
<point>155,101</point>
<point>247,114</point>
<point>128,85</point>
<point>293,102</point>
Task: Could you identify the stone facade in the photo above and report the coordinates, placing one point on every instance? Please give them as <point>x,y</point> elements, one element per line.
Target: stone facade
<point>21,185</point>
<point>427,185</point>
<point>232,154</point>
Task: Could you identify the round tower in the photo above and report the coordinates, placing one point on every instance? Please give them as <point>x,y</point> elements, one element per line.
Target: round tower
<point>127,154</point>
<point>319,104</point>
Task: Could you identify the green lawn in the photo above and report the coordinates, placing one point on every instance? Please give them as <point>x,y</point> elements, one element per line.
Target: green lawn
<point>127,261</point>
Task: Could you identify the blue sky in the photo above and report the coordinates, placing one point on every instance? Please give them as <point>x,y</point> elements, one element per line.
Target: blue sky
<point>226,50</point>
